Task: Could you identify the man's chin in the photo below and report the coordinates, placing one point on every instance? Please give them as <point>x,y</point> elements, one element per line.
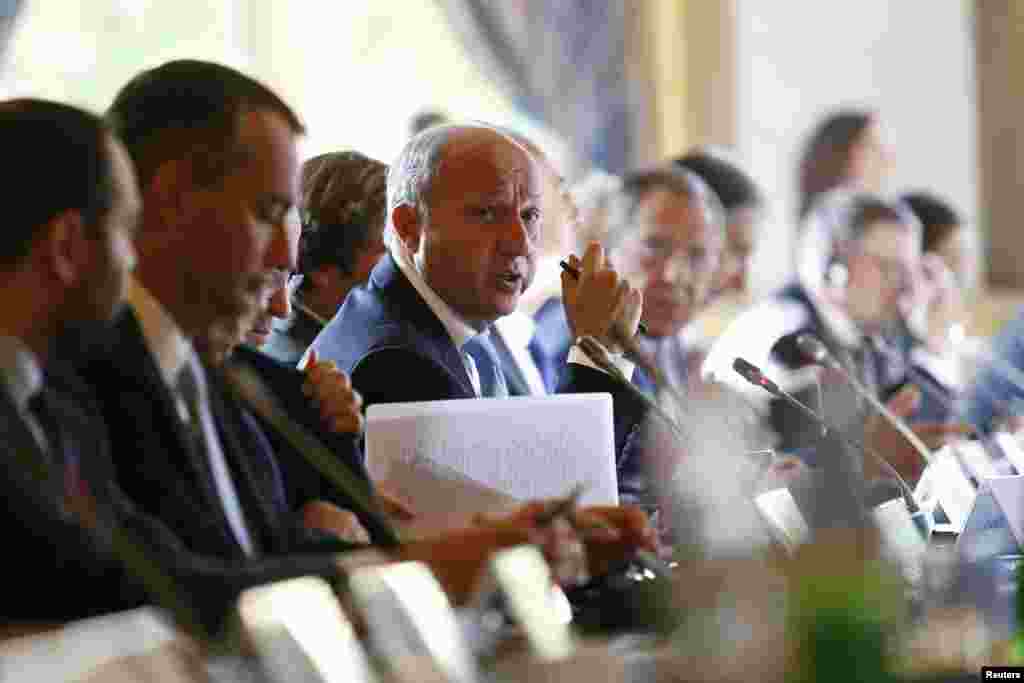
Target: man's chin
<point>505,308</point>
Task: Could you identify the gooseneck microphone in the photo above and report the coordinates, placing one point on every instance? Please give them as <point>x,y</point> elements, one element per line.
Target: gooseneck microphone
<point>599,355</point>
<point>753,374</point>
<point>816,351</point>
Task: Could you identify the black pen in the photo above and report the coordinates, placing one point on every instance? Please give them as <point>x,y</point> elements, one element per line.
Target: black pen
<point>576,274</point>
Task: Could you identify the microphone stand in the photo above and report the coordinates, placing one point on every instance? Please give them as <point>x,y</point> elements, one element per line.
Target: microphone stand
<point>753,374</point>
<point>599,355</point>
<point>816,352</point>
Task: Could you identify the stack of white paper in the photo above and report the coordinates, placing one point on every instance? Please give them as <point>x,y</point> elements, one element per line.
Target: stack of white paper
<point>462,457</point>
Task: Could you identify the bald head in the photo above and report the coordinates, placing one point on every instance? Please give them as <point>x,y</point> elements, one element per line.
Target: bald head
<point>417,166</point>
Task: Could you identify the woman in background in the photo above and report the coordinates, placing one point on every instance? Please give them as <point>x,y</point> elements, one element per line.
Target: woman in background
<point>846,149</point>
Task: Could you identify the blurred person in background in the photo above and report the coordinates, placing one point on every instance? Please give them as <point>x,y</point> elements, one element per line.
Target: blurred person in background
<point>994,398</point>
<point>930,331</point>
<point>593,197</point>
<point>665,234</point>
<point>743,203</point>
<point>943,233</point>
<point>846,149</point>
<point>872,257</point>
<point>343,196</point>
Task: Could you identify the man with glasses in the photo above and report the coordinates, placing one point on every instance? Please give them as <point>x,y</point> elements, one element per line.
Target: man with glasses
<point>665,236</point>
<point>869,252</point>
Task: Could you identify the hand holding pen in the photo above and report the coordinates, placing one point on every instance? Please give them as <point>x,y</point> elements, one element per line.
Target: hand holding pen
<point>599,303</point>
<point>574,272</point>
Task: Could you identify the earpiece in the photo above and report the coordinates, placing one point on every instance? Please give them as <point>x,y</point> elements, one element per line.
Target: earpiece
<point>837,274</point>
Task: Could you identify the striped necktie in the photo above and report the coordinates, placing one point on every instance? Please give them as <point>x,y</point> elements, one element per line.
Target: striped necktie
<point>488,367</point>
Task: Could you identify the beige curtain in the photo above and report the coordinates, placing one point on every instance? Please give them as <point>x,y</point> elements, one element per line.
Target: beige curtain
<point>572,65</point>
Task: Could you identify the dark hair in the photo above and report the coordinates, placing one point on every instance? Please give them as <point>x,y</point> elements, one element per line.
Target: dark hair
<point>343,201</point>
<point>636,185</point>
<point>826,154</point>
<point>59,161</point>
<point>189,107</point>
<point>938,218</point>
<point>734,188</point>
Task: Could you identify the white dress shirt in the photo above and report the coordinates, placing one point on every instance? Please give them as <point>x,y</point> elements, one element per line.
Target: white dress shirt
<point>517,330</point>
<point>22,378</point>
<point>172,350</point>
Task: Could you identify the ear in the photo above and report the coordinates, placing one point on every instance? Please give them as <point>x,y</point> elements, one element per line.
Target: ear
<point>67,247</point>
<point>406,220</point>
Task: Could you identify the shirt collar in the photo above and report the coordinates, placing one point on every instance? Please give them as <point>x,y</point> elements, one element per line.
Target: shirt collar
<point>839,325</point>
<point>19,370</point>
<point>517,329</point>
<point>164,338</point>
<point>458,329</point>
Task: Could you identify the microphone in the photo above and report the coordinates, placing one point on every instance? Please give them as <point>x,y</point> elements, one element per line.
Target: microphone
<point>753,374</point>
<point>816,351</point>
<point>597,353</point>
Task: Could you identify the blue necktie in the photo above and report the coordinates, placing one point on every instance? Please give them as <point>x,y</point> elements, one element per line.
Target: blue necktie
<point>492,379</point>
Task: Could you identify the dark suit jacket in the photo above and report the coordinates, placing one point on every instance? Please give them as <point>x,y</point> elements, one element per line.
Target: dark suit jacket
<point>395,350</point>
<point>302,481</point>
<point>76,570</point>
<point>290,339</point>
<point>158,467</point>
<point>886,373</point>
<point>73,577</point>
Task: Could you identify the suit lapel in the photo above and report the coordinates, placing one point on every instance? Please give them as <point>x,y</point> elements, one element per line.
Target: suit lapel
<point>395,287</point>
<point>21,444</point>
<point>253,485</point>
<point>131,350</point>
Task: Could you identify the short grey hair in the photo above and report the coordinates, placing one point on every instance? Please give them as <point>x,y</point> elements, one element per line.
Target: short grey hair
<point>849,215</point>
<point>413,171</point>
<point>638,184</point>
